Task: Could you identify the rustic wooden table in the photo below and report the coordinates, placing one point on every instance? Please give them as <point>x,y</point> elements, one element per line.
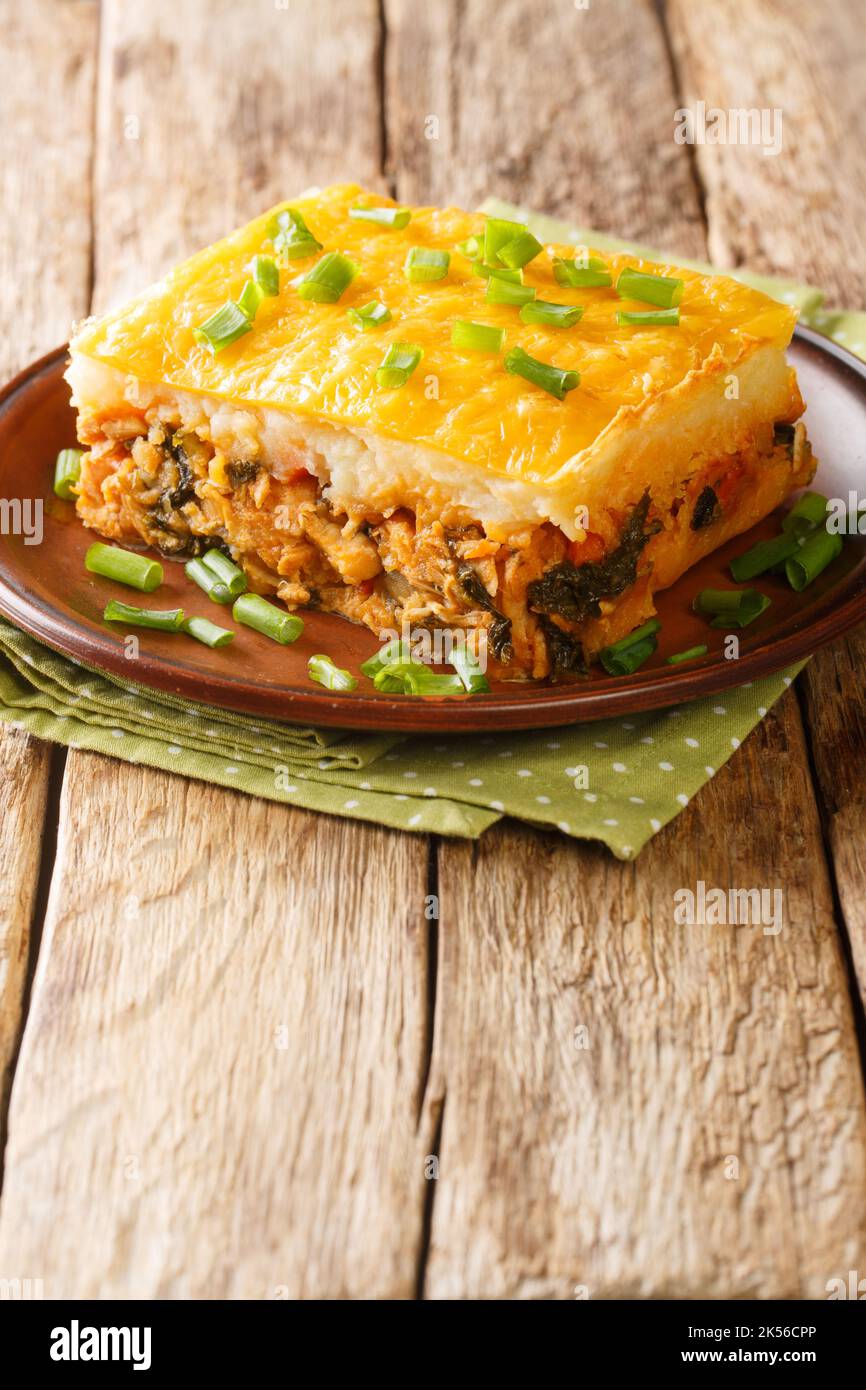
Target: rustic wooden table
<point>233,1040</point>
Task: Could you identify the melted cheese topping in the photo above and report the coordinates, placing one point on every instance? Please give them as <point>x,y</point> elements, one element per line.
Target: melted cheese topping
<point>312,360</point>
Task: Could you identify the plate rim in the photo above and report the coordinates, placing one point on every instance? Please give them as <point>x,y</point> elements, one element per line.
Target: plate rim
<point>532,707</point>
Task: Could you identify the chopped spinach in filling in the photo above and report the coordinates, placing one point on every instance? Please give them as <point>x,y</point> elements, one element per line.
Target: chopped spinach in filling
<point>706,510</point>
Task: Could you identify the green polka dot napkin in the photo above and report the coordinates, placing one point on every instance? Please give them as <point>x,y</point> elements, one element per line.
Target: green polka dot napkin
<point>618,780</point>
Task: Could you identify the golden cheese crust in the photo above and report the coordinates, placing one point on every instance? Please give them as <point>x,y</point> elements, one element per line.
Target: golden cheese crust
<point>310,359</point>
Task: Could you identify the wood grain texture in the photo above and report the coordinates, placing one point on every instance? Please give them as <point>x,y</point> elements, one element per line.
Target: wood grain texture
<point>44,284</point>
<point>802,213</point>
<point>224,1053</point>
<point>799,213</point>
<point>190,924</point>
<point>705,1137</point>
<point>568,111</point>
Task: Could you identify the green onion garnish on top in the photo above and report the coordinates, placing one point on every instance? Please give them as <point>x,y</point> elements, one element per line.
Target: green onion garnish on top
<point>471,247</point>
<point>225,571</point>
<point>398,364</point>
<point>111,562</point>
<point>67,470</point>
<point>498,233</point>
<point>664,290</point>
<point>162,620</point>
<point>198,572</point>
<point>229,323</point>
<point>731,607</point>
<point>250,298</point>
<point>818,551</point>
<point>371,315</point>
<point>503,292</point>
<point>553,315</point>
<point>476,337</point>
<point>625,656</point>
<point>520,250</point>
<point>203,630</point>
<point>671,317</point>
<point>691,654</point>
<point>266,274</point>
<point>589,273</point>
<point>807,513</point>
<point>321,668</point>
<point>424,264</point>
<point>499,272</point>
<point>291,236</point>
<point>764,556</point>
<point>328,279</point>
<point>398,218</point>
<point>543,374</point>
<point>254,611</point>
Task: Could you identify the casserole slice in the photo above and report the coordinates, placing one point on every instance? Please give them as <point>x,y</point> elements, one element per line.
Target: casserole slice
<point>353,451</point>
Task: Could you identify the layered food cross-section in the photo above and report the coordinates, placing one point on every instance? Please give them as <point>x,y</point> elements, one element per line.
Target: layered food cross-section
<point>537,484</point>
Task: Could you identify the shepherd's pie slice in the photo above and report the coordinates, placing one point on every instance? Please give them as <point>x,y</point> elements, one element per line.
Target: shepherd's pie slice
<point>294,395</point>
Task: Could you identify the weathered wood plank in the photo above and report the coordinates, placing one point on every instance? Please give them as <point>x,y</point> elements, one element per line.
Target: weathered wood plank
<point>44,283</point>
<point>224,1051</point>
<point>704,1137</point>
<point>189,926</point>
<point>787,212</point>
<point>567,110</point>
<point>605,1167</point>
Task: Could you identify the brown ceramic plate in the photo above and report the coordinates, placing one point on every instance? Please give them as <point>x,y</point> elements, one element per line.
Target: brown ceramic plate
<point>45,589</point>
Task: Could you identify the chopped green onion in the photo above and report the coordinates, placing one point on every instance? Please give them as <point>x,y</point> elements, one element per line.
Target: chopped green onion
<point>806,514</point>
<point>398,364</point>
<point>254,611</point>
<point>731,607</point>
<point>322,669</point>
<point>690,654</point>
<point>203,630</point>
<point>328,278</point>
<point>626,661</point>
<point>501,291</point>
<point>395,650</point>
<point>466,664</point>
<point>671,317</point>
<point>126,568</point>
<point>266,274</point>
<point>398,218</point>
<point>371,315</point>
<point>819,550</point>
<point>520,251</point>
<point>514,277</point>
<point>200,574</point>
<point>640,634</point>
<point>163,620</point>
<point>665,290</point>
<point>250,298</point>
<point>589,273</point>
<point>476,337</point>
<point>554,315</point>
<point>764,556</point>
<point>471,247</point>
<point>226,571</point>
<point>424,264</point>
<point>498,233</point>
<point>291,236</point>
<point>224,327</point>
<point>414,678</point>
<point>67,470</point>
<point>543,374</point>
